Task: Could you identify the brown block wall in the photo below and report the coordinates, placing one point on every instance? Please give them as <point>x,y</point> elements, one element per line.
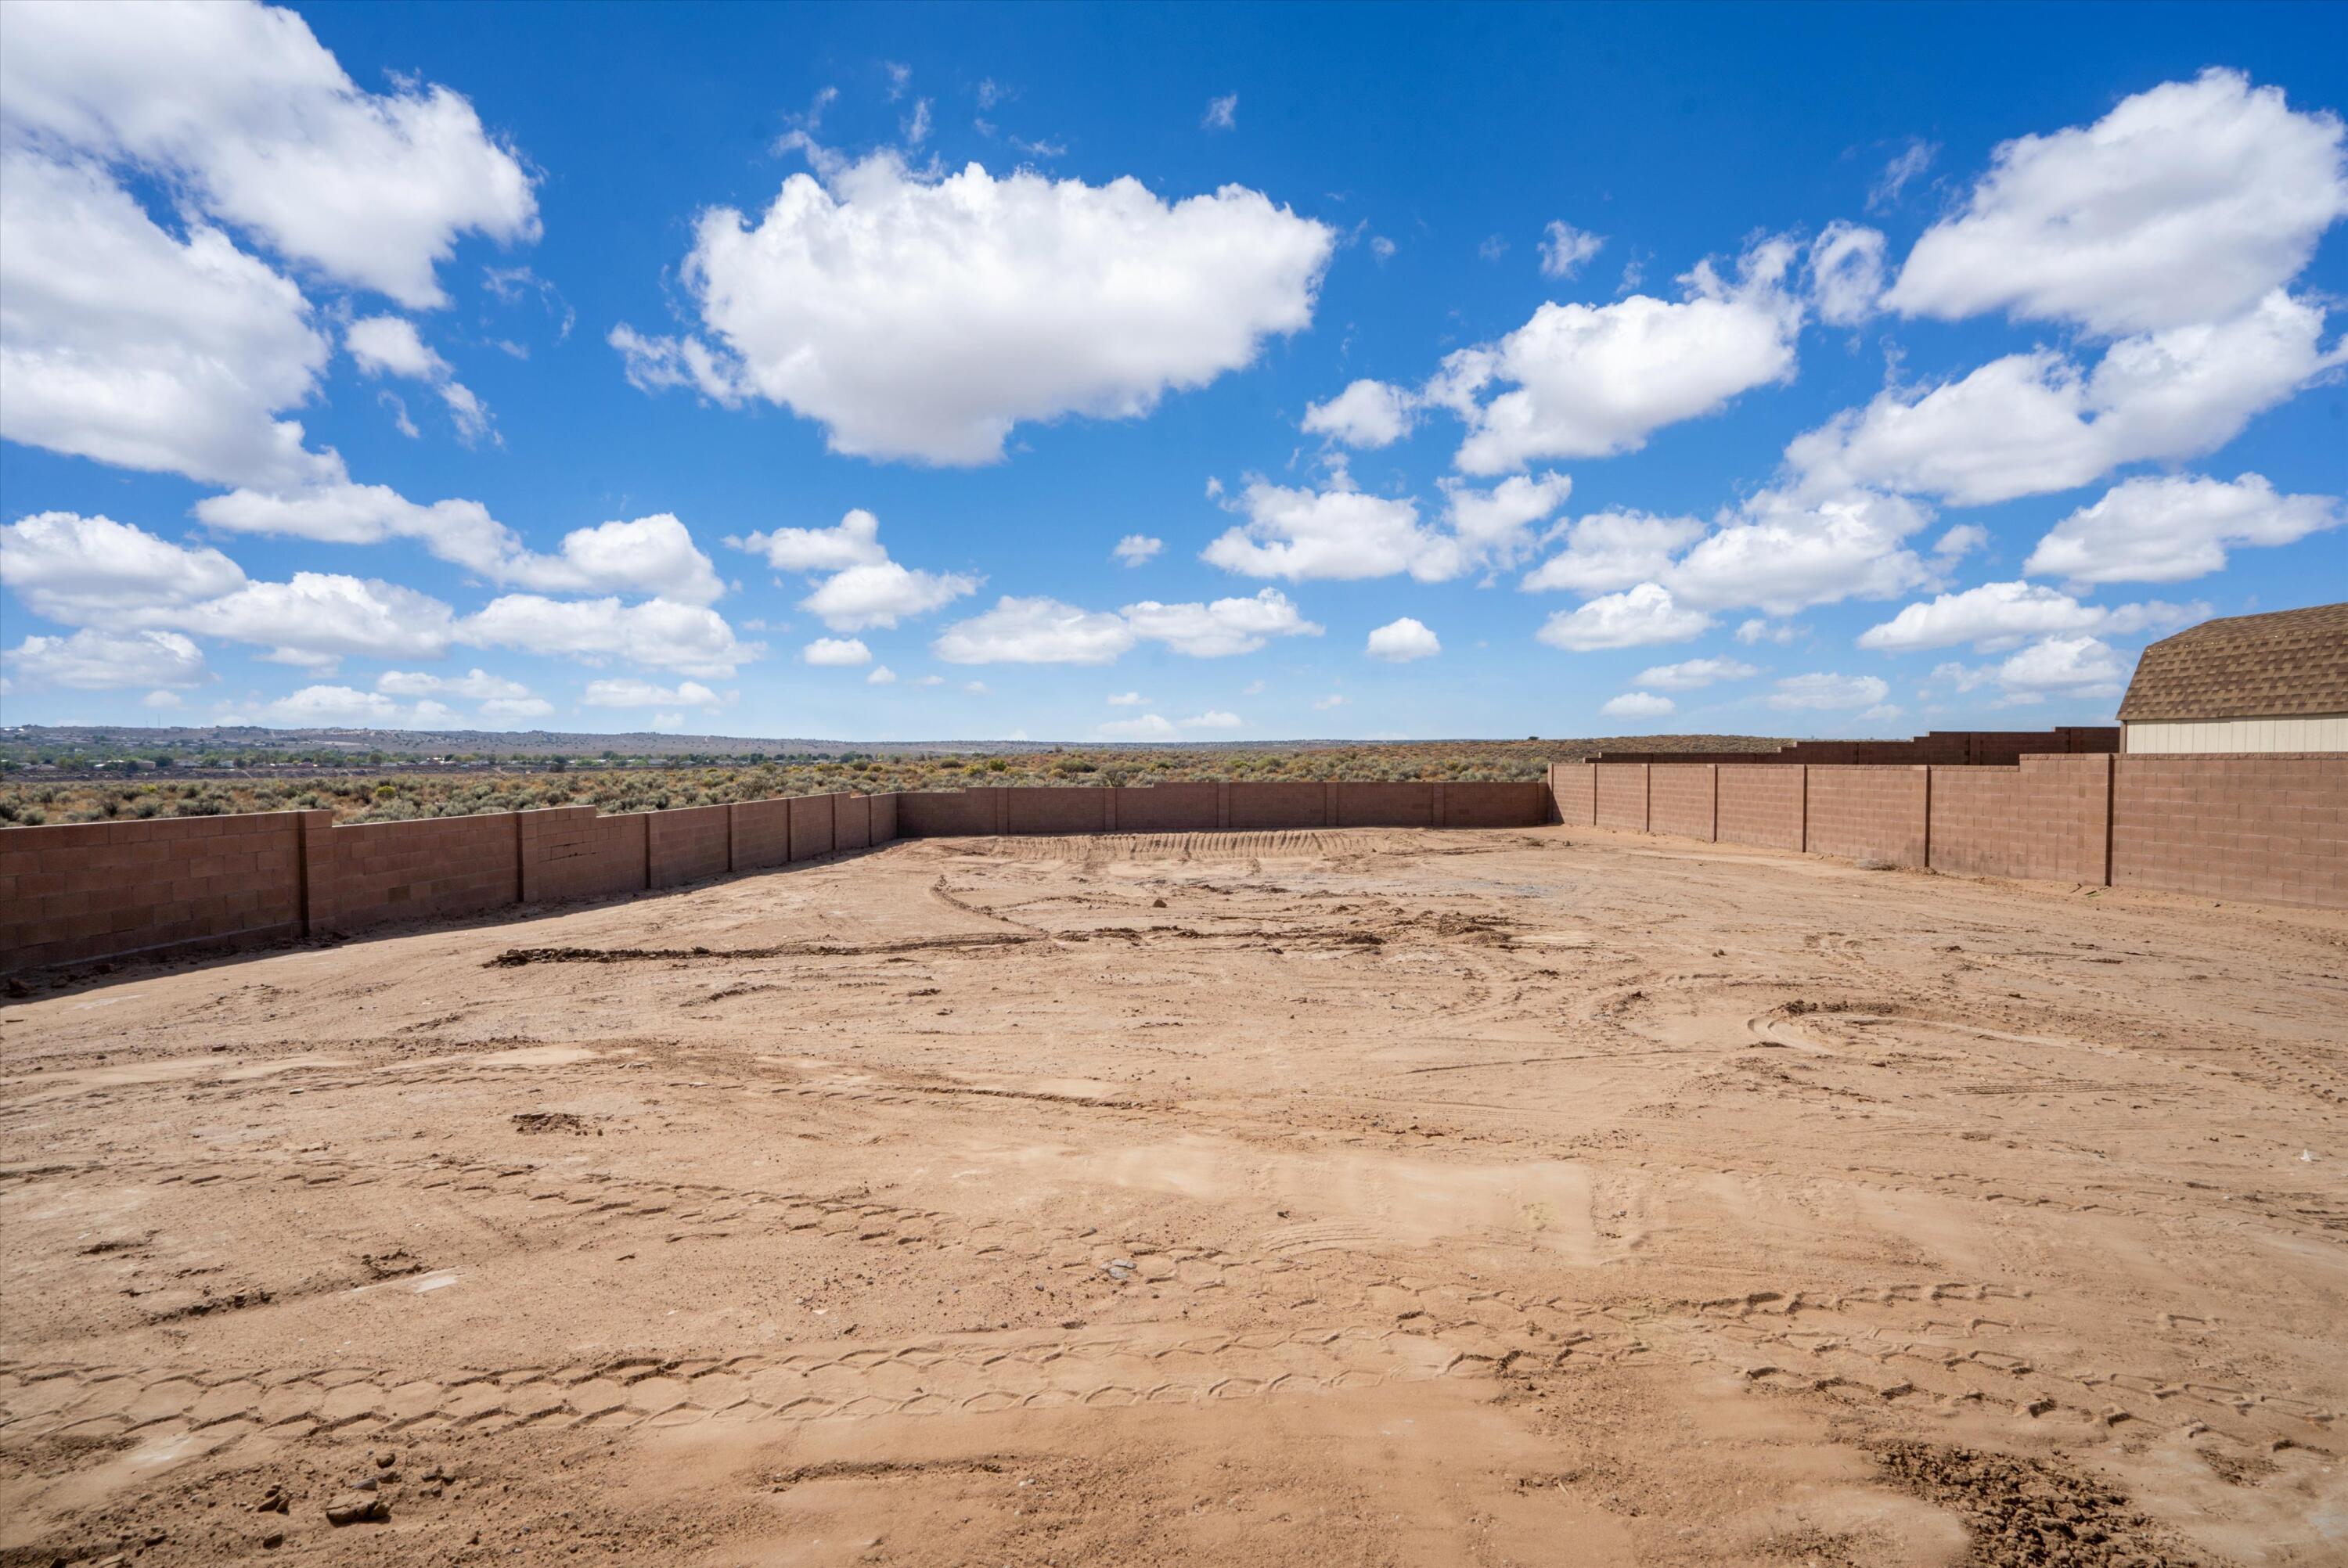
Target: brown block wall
<point>2270,828</point>
<point>85,890</point>
<point>884,819</point>
<point>762,835</point>
<point>1386,804</point>
<point>1574,794</point>
<point>1167,808</point>
<point>2048,818</point>
<point>1055,810</point>
<point>569,851</point>
<point>1978,828</point>
<point>689,845</point>
<point>1680,798</point>
<point>851,822</point>
<point>1869,812</point>
<point>1623,795</point>
<point>1495,805</point>
<point>1272,807</point>
<point>811,833</point>
<point>1761,804</point>
<point>945,814</point>
<point>374,872</point>
<point>2067,802</point>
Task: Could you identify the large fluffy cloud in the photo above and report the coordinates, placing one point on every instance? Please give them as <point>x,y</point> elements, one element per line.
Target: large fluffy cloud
<point>659,634</point>
<point>1782,553</point>
<point>653,555</point>
<point>95,660</point>
<point>1041,630</point>
<point>1341,533</point>
<point>1588,381</point>
<point>2077,665</point>
<point>123,343</point>
<point>83,570</point>
<point>316,618</point>
<point>864,589</point>
<point>923,318</point>
<point>95,571</point>
<point>2190,202</point>
<point>2174,527</point>
<point>1400,641</point>
<point>2033,423</point>
<point>1035,630</point>
<point>1999,615</point>
<point>1633,619</point>
<point>1367,414</point>
<point>1605,551</point>
<point>241,106</point>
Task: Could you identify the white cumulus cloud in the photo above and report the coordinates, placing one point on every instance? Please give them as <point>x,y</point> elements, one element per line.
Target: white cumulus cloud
<point>1999,615</point>
<point>1367,413</point>
<point>1637,705</point>
<point>633,694</point>
<point>1691,675</point>
<point>2187,203</point>
<point>1632,619</point>
<point>653,555</point>
<point>1613,550</point>
<point>2173,527</point>
<point>660,634</point>
<point>1587,381</point>
<point>92,660</point>
<point>919,317</point>
<point>837,651</point>
<point>1400,641</point>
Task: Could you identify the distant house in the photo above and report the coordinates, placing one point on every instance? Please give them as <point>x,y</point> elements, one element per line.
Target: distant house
<point>2274,683</point>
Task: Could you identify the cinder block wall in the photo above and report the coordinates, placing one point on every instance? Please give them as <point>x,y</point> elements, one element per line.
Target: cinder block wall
<point>1762,805</point>
<point>1495,806</point>
<point>1979,827</point>
<point>945,814</point>
<point>1273,807</point>
<point>693,843</point>
<point>2266,827</point>
<point>1574,794</point>
<point>378,872</point>
<point>1680,798</point>
<point>811,826</point>
<point>1167,808</point>
<point>762,833</point>
<point>91,890</point>
<point>1871,812</point>
<point>1402,804</point>
<point>1623,795</point>
<point>852,821</point>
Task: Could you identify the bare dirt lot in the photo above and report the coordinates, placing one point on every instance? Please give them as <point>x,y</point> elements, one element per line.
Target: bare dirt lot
<point>1356,1198</point>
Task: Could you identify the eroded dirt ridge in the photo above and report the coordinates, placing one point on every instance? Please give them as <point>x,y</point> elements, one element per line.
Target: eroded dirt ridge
<point>1360,1196</point>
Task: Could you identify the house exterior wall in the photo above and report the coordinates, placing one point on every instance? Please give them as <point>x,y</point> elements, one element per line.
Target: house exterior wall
<point>2315,732</point>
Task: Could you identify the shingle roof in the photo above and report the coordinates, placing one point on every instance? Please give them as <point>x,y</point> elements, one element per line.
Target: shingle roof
<point>2246,667</point>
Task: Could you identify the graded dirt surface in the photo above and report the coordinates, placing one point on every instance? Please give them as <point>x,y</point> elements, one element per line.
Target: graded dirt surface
<point>1316,1198</point>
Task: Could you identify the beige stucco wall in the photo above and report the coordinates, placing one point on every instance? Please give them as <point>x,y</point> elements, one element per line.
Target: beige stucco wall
<point>2319,732</point>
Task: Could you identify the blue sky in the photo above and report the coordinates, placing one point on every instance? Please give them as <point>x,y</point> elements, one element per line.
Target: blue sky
<point>1555,369</point>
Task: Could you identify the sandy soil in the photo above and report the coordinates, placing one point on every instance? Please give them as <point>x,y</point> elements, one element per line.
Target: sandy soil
<point>1315,1198</point>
